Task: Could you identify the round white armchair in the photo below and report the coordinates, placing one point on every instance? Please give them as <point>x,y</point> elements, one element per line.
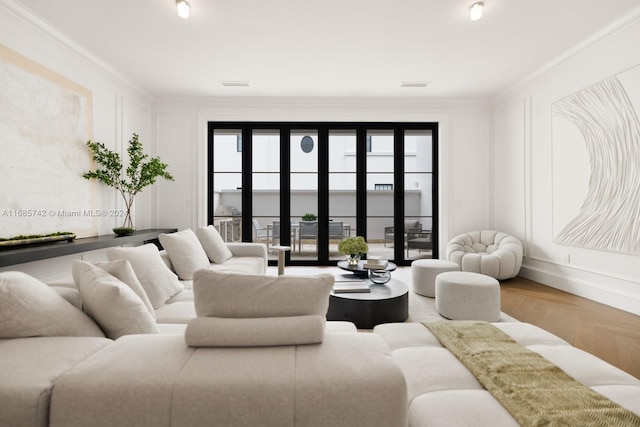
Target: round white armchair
<point>492,253</point>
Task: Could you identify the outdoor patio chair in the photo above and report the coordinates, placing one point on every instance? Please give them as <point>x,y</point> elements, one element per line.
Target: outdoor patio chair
<point>308,231</point>
<point>409,225</point>
<point>273,234</point>
<point>336,230</point>
<point>420,240</point>
<point>260,233</point>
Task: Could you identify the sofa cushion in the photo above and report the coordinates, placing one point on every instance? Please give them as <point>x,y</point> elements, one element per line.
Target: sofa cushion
<point>122,270</point>
<point>165,258</point>
<point>70,294</point>
<point>172,328</point>
<point>30,369</point>
<point>158,281</point>
<point>442,392</point>
<point>213,245</point>
<point>184,296</point>
<point>111,303</point>
<point>30,308</point>
<point>339,327</point>
<point>230,295</point>
<point>442,408</point>
<point>242,265</point>
<point>256,251</point>
<point>256,332</point>
<point>185,251</point>
<point>177,312</point>
<point>348,380</point>
<point>131,383</point>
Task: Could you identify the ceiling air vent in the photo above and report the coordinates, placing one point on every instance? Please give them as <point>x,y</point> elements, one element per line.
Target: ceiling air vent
<point>235,84</point>
<point>414,84</point>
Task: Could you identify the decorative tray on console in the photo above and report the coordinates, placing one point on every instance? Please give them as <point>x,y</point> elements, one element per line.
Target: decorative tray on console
<point>18,241</point>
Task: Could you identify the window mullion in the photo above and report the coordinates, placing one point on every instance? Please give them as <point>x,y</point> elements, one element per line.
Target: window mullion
<point>398,193</point>
<point>285,187</point>
<point>247,184</point>
<point>323,195</point>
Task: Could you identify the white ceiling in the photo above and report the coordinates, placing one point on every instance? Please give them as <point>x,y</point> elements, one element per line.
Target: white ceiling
<point>329,47</point>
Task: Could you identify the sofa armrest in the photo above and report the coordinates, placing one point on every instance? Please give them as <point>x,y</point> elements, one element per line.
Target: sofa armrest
<point>248,249</point>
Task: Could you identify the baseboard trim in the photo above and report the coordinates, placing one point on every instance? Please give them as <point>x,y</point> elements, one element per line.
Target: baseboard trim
<point>605,295</point>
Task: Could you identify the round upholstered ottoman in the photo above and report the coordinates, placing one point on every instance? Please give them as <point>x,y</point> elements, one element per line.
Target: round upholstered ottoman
<point>462,295</point>
<point>424,272</point>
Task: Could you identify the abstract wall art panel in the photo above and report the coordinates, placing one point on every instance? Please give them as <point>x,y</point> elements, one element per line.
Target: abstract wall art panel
<point>596,165</point>
<point>45,120</point>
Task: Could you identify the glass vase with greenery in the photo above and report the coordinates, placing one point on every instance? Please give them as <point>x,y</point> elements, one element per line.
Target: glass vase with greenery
<point>139,174</point>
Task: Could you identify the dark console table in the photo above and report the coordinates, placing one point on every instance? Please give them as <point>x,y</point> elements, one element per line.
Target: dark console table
<point>37,252</point>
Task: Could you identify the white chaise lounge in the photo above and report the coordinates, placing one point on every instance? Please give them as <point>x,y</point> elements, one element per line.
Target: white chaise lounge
<point>443,393</point>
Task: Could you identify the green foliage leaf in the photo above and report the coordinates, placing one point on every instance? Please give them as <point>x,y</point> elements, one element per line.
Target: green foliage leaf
<point>138,174</point>
<point>353,246</point>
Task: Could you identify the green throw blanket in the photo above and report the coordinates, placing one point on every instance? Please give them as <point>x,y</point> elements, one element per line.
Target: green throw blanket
<point>532,389</point>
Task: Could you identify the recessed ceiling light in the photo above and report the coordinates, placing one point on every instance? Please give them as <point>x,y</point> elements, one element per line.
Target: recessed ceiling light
<point>475,11</point>
<point>235,84</point>
<point>414,84</point>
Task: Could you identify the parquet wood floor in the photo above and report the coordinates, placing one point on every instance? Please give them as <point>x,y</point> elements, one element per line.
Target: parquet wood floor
<point>609,333</point>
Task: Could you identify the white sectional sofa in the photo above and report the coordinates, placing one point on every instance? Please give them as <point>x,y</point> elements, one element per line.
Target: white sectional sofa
<point>174,305</point>
<point>60,370</point>
<point>442,392</point>
<point>152,380</point>
<point>238,350</point>
<point>248,258</point>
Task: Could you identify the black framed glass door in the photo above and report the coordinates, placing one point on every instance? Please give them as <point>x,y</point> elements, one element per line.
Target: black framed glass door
<point>308,185</point>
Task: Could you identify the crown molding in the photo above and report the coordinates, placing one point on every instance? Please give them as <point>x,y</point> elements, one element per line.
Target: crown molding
<point>27,17</point>
<point>610,30</point>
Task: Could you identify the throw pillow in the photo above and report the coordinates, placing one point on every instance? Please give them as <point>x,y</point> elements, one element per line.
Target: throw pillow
<point>256,332</point>
<point>158,281</point>
<point>122,270</point>
<point>30,308</point>
<point>213,245</point>
<point>111,303</point>
<point>219,294</point>
<point>185,251</point>
<point>71,295</point>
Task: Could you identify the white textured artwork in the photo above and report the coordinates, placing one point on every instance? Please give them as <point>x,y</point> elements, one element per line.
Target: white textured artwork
<point>45,121</point>
<point>596,166</point>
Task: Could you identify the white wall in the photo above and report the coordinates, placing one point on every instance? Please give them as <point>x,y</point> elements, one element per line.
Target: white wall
<point>465,136</point>
<point>495,166</point>
<point>175,129</point>
<point>119,109</point>
<point>522,168</point>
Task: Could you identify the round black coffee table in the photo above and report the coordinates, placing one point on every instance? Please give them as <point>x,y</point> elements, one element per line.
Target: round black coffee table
<point>384,304</point>
<point>359,270</point>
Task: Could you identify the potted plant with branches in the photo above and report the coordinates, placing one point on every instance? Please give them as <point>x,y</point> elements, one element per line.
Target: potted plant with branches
<point>309,217</point>
<point>139,174</point>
